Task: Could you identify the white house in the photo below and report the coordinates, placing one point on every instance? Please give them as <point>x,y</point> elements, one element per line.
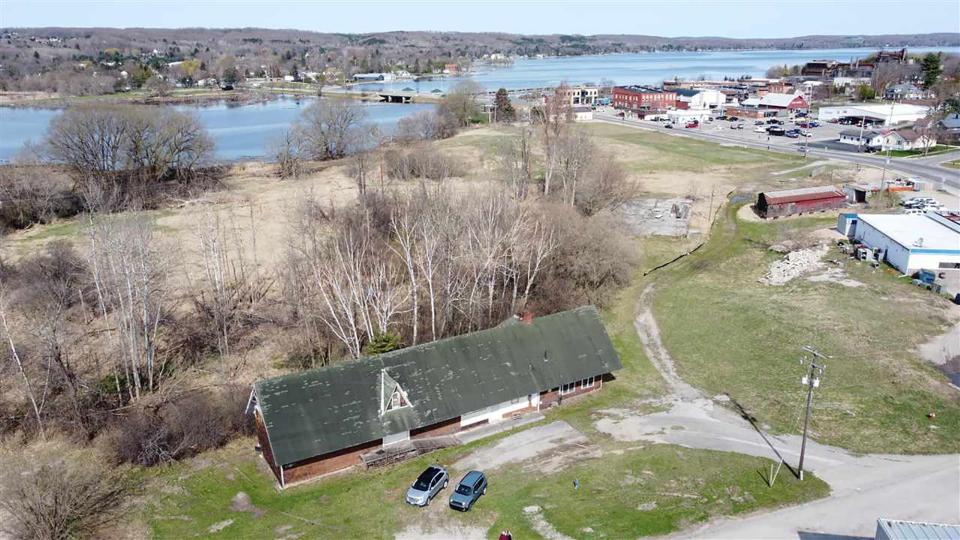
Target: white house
<point>903,91</point>
<point>867,138</point>
<point>911,242</point>
<point>909,139</point>
<point>582,113</point>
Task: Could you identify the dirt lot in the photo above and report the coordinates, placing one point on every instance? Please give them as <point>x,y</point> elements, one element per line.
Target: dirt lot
<point>547,448</point>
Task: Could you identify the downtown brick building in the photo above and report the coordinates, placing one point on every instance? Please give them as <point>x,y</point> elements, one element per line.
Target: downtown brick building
<point>643,98</point>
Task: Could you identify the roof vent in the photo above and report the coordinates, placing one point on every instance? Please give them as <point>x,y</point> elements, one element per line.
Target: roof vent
<point>392,396</point>
<point>919,242</point>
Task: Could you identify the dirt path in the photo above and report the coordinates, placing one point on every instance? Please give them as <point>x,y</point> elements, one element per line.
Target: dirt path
<point>927,487</point>
<point>649,334</point>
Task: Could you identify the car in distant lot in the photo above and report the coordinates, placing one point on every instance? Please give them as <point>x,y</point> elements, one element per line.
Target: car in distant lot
<point>776,131</point>
<point>758,123</point>
<point>732,118</point>
<point>669,126</point>
<point>759,129</point>
<point>774,122</point>
<point>917,202</point>
<point>691,125</point>
<point>736,126</point>
<point>722,117</point>
<point>814,123</point>
<point>804,133</point>
<point>427,485</point>
<point>791,134</point>
<point>471,487</point>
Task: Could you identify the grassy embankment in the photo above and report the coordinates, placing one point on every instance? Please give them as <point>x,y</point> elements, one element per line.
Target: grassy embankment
<point>630,490</point>
<point>955,164</point>
<point>729,333</point>
<point>938,149</point>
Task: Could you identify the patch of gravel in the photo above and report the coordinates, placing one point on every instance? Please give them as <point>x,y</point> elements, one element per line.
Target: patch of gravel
<point>648,506</point>
<point>543,527</point>
<point>794,264</point>
<point>219,526</point>
<point>415,532</point>
<point>836,275</point>
<point>241,503</point>
<point>548,448</point>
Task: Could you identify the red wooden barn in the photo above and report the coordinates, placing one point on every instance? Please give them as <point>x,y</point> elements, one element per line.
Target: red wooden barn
<point>773,204</point>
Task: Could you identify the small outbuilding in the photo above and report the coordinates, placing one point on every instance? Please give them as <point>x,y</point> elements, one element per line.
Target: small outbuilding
<point>774,204</point>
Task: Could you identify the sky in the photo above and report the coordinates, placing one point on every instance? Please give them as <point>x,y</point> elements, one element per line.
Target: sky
<point>726,18</point>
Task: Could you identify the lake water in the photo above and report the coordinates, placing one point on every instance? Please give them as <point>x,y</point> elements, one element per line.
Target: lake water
<point>245,131</point>
<point>239,131</point>
<point>625,69</point>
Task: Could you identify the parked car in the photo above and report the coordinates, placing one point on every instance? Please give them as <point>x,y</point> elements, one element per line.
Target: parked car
<point>471,487</point>
<point>918,201</point>
<point>736,126</point>
<point>669,126</point>
<point>914,212</point>
<point>732,118</point>
<point>814,123</point>
<point>804,133</point>
<point>722,117</point>
<point>802,124</point>
<point>774,122</point>
<point>427,485</point>
<point>777,131</point>
<point>691,125</point>
<point>759,129</point>
<point>758,123</point>
<point>791,134</point>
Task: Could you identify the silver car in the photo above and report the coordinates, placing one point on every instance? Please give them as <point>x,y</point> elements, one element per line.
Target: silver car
<point>428,484</point>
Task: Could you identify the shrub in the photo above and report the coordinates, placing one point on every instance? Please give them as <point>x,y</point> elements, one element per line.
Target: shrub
<point>182,427</point>
<point>54,490</point>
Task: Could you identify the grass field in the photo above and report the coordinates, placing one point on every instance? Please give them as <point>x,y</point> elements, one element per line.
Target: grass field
<point>938,149</point>
<point>630,490</point>
<point>955,164</point>
<point>639,491</point>
<point>729,333</point>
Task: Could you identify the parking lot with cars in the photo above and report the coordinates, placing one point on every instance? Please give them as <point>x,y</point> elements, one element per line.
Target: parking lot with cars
<point>752,130</point>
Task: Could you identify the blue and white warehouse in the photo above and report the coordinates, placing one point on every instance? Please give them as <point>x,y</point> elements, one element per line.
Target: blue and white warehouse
<point>907,242</point>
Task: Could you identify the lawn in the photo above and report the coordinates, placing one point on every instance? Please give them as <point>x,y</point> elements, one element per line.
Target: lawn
<point>938,149</point>
<point>729,333</point>
<point>666,152</point>
<point>643,491</point>
<point>955,164</point>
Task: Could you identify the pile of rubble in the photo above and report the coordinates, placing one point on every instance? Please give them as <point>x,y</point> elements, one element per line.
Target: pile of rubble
<point>794,264</point>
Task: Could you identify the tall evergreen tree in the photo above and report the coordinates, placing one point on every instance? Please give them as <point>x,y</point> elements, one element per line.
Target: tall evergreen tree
<point>930,68</point>
<point>503,109</point>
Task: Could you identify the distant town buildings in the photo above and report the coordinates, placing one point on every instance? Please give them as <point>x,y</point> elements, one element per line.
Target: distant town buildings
<point>883,114</point>
<point>643,98</point>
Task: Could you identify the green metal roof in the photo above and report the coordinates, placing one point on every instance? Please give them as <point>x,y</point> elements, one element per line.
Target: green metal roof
<point>324,410</point>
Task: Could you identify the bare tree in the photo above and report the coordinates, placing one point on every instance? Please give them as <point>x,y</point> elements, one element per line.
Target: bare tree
<point>575,153</point>
<point>553,119</point>
<point>331,129</point>
<point>53,489</point>
<point>515,161</point>
<point>289,152</point>
<point>128,275</point>
<point>27,386</point>
<point>461,102</point>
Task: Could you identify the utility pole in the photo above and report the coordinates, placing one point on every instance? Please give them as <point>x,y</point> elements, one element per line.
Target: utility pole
<point>812,380</point>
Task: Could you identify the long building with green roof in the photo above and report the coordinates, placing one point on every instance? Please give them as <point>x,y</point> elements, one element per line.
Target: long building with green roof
<point>319,421</point>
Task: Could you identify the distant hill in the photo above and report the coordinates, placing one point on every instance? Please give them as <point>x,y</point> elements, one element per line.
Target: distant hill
<point>77,61</point>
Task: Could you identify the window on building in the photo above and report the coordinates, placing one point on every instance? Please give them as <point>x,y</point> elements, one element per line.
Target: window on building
<point>587,383</point>
<point>568,388</point>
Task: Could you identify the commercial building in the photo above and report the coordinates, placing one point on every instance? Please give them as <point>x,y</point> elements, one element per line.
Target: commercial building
<point>887,139</point>
<point>909,242</point>
<point>324,420</point>
<point>638,98</point>
<point>769,105</point>
<point>774,204</point>
<point>895,529</point>
<point>682,116</point>
<point>581,113</point>
<point>581,95</point>
<point>373,77</point>
<point>699,98</point>
<point>888,115</point>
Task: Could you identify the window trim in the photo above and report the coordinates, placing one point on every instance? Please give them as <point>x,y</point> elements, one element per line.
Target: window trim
<point>570,388</point>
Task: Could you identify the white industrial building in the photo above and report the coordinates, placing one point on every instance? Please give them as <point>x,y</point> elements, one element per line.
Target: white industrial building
<point>908,242</point>
<point>699,98</point>
<point>889,115</point>
<point>680,116</point>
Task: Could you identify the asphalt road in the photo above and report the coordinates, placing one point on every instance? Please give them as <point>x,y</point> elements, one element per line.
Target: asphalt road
<point>863,487</point>
<point>924,168</point>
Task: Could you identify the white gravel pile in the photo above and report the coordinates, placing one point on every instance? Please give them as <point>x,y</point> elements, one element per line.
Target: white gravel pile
<point>794,264</point>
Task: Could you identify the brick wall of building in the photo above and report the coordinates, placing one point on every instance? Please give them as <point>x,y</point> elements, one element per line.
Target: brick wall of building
<point>553,396</point>
<point>265,444</point>
<point>626,98</point>
<point>435,430</point>
<point>327,463</point>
